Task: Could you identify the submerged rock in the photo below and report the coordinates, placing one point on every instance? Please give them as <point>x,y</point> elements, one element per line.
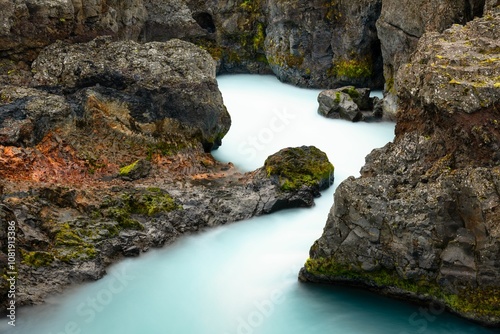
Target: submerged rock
<point>422,222</point>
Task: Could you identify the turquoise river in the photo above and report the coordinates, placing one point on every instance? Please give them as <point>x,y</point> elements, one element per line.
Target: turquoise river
<point>242,278</point>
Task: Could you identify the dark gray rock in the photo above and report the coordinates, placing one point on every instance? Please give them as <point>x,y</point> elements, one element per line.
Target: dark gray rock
<point>401,25</point>
<point>27,115</point>
<point>156,82</point>
<point>324,44</point>
<point>346,103</point>
<point>29,25</point>
<point>422,221</point>
<point>169,19</point>
<point>132,251</point>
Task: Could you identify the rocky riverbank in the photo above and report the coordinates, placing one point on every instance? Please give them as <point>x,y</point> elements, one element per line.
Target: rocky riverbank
<point>105,146</point>
<point>105,153</point>
<point>422,222</point>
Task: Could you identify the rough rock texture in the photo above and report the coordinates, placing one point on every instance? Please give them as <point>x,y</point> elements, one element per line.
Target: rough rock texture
<point>400,26</point>
<point>350,103</point>
<point>234,33</point>
<point>29,25</point>
<point>314,44</point>
<point>300,167</point>
<point>69,232</point>
<point>423,221</point>
<point>160,83</point>
<point>26,115</point>
<point>324,43</point>
<point>106,158</point>
<point>169,19</point>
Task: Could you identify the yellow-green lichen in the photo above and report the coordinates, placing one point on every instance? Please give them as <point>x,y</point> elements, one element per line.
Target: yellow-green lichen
<point>289,60</point>
<point>124,171</point>
<point>300,166</point>
<point>36,258</point>
<point>259,37</point>
<point>333,12</point>
<point>351,68</point>
<point>70,245</point>
<point>477,301</point>
<point>153,201</point>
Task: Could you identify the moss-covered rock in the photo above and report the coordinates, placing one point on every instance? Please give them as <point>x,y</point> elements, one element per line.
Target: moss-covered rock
<point>422,221</point>
<point>479,302</point>
<point>37,258</point>
<point>296,167</point>
<point>73,243</point>
<point>151,202</point>
<point>136,170</point>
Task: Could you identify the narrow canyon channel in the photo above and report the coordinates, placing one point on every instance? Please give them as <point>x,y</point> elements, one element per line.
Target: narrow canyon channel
<point>242,278</point>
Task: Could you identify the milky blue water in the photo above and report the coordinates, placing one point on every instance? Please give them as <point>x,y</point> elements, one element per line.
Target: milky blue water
<point>242,278</point>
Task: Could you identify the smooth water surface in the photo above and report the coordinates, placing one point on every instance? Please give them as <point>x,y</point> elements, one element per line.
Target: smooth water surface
<point>242,278</point>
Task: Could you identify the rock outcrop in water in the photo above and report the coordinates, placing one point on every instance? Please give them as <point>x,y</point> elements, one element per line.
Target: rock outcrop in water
<point>106,155</point>
<point>350,103</point>
<point>401,25</point>
<point>423,222</point>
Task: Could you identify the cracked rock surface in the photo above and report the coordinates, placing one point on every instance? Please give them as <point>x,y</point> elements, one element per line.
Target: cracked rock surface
<point>423,220</point>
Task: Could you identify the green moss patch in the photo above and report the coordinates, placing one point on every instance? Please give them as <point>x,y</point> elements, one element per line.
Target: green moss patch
<point>352,68</point>
<point>124,171</point>
<point>481,302</point>
<point>151,202</point>
<point>70,243</point>
<point>300,166</point>
<point>36,258</point>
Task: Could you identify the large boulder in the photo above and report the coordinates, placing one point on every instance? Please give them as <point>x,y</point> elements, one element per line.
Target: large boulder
<point>422,221</point>
<point>156,82</point>
<point>297,167</point>
<point>400,26</point>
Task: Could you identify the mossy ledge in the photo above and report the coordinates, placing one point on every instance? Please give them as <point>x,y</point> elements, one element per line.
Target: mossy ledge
<point>296,167</point>
<point>480,304</point>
